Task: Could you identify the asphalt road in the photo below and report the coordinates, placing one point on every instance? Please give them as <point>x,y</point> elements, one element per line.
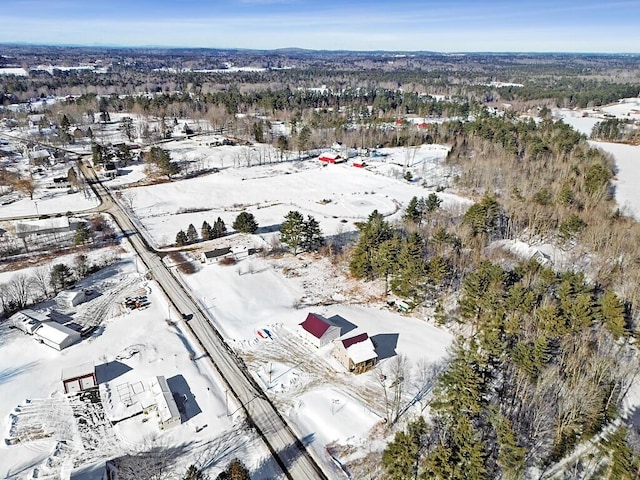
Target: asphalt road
<point>288,451</point>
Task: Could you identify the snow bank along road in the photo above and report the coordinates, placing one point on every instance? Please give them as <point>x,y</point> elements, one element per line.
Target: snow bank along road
<point>288,451</point>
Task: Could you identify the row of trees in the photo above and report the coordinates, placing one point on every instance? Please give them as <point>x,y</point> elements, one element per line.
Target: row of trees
<point>245,222</point>
<point>207,232</point>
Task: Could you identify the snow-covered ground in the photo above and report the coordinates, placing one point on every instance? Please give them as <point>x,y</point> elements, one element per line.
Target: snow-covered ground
<point>50,437</point>
<point>336,195</point>
<point>627,157</point>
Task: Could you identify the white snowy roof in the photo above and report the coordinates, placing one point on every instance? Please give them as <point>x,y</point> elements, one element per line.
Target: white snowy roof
<point>54,332</point>
<point>39,154</point>
<point>362,351</point>
<point>32,226</point>
<point>78,371</point>
<point>167,408</point>
<point>28,314</point>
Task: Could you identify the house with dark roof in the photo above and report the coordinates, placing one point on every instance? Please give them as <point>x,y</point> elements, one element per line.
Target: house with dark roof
<point>318,330</point>
<point>357,354</point>
<point>212,256</point>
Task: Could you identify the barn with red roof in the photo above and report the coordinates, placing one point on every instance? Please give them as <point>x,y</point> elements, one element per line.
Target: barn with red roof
<point>318,331</point>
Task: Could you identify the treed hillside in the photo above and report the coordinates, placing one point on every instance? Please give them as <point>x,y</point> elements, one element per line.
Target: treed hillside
<point>544,358</point>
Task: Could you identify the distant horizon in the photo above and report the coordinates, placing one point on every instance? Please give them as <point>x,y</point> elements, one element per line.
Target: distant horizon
<point>550,26</point>
<point>267,50</point>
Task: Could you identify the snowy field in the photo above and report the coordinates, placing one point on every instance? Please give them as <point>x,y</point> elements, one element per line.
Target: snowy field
<point>336,195</point>
<point>627,157</point>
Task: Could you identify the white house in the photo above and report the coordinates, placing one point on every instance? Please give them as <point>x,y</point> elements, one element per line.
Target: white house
<point>40,157</point>
<point>168,413</point>
<point>55,335</point>
<point>212,256</point>
<point>318,330</point>
<point>28,320</point>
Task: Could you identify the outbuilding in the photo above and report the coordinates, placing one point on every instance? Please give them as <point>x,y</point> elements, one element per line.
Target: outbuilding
<point>80,378</point>
<point>55,335</point>
<point>75,297</point>
<point>330,157</point>
<point>318,331</point>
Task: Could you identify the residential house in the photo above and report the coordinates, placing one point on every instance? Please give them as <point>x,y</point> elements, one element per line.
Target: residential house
<point>357,354</point>
<point>28,320</point>
<point>167,410</point>
<point>24,228</point>
<point>55,335</point>
<point>213,256</point>
<point>330,157</point>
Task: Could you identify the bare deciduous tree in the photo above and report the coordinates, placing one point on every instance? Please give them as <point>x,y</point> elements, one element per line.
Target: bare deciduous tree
<point>40,280</point>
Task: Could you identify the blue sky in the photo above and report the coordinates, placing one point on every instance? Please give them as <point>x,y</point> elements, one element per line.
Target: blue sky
<point>437,25</point>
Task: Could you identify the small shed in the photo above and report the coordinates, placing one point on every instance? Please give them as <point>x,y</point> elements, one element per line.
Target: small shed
<point>357,354</point>
<point>318,330</point>
<point>79,378</point>
<point>213,256</point>
<point>55,335</point>
<point>168,413</point>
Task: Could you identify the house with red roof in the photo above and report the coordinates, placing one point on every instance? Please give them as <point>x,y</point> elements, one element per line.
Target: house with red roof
<point>318,330</point>
<point>330,157</point>
<point>357,354</point>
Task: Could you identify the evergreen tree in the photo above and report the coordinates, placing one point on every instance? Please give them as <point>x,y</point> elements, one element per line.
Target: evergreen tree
<point>312,238</point>
<point>401,458</point>
<point>206,231</point>
<point>245,222</point>
<point>511,456</point>
<point>192,234</point>
<point>236,470</point>
<point>82,235</point>
<point>292,230</point>
<point>61,277</point>
<point>219,228</point>
<point>384,262</point>
<point>162,160</point>
<point>126,128</point>
<point>613,314</point>
<point>432,203</point>
<point>413,212</point>
<point>193,473</point>
<point>181,239</point>
<point>373,233</point>
<point>411,268</point>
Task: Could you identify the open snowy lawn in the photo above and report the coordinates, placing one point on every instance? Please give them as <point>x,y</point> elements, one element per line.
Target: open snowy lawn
<point>336,195</point>
<point>627,158</point>
<point>129,350</point>
<point>259,302</point>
